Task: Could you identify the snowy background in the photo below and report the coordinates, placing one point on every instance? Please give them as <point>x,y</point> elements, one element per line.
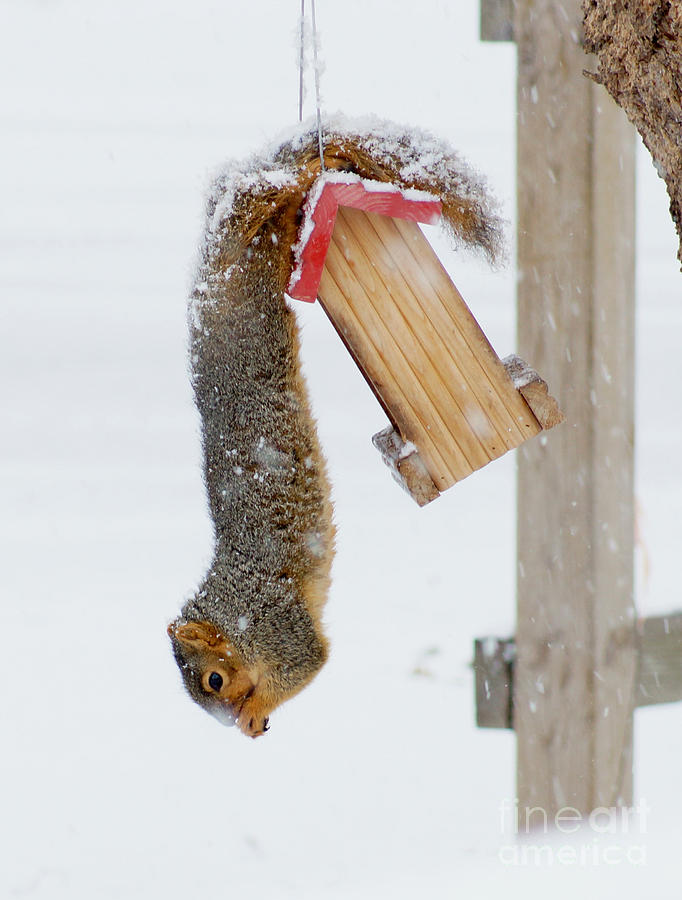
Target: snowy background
<point>374,782</point>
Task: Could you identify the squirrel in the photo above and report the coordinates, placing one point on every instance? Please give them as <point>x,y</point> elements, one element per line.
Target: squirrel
<point>252,636</point>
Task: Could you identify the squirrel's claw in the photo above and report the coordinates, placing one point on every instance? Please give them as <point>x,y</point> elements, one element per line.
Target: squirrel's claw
<point>251,718</point>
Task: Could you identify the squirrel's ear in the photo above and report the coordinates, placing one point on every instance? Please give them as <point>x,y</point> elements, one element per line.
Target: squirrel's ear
<point>197,635</point>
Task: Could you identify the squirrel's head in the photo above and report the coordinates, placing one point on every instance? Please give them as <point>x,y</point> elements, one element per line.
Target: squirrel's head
<point>214,674</point>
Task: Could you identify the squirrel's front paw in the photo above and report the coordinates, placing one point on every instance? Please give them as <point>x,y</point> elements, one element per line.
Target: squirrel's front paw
<point>252,718</point>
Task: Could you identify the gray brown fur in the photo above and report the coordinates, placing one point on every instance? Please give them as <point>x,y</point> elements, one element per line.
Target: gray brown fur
<point>265,475</point>
<point>267,489</point>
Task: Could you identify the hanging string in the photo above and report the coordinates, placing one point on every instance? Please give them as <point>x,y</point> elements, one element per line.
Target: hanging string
<point>317,87</point>
<point>301,63</point>
<point>316,70</point>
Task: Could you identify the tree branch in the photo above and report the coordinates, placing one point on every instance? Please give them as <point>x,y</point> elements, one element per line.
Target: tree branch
<point>639,52</point>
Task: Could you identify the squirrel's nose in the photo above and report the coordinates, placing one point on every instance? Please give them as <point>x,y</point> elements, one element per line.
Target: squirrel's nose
<point>224,714</point>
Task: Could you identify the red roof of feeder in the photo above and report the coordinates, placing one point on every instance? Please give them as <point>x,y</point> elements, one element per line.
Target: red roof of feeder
<point>318,224</point>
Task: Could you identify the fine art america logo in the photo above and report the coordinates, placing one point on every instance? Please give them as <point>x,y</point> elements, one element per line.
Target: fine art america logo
<point>605,837</point>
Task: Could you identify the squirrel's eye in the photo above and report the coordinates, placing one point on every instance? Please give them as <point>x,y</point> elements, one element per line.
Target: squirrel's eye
<point>215,681</point>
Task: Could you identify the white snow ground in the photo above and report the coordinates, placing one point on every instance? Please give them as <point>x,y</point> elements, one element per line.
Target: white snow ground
<point>374,782</point>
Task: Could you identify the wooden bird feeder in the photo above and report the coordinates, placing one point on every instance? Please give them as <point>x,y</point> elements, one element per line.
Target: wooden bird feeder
<point>452,403</point>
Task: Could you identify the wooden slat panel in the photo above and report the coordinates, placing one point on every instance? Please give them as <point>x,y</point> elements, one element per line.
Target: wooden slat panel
<point>340,301</point>
<point>453,318</point>
<point>368,259</point>
<point>457,399</point>
<point>401,392</point>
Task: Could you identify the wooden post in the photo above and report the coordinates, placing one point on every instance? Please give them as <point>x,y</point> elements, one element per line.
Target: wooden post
<point>658,673</point>
<point>575,667</point>
<point>497,20</point>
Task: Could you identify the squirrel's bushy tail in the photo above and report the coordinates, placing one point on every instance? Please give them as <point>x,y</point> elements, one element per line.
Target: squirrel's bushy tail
<point>271,187</point>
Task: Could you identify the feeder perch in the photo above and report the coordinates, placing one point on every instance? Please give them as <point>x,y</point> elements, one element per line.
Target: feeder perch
<point>452,403</point>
